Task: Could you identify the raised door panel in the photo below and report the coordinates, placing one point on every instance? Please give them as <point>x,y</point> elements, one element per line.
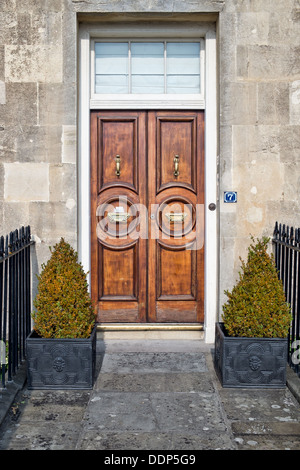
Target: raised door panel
<point>118,147</point>
<point>176,140</point>
<point>124,286</point>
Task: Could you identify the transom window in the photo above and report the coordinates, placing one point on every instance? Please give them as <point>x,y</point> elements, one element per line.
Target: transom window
<point>156,67</point>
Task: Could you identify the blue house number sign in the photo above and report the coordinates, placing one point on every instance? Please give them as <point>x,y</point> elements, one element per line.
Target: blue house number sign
<point>230,196</point>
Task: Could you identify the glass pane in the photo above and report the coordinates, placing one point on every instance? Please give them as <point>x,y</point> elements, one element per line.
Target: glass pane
<point>147,84</point>
<point>183,84</point>
<point>111,67</point>
<point>183,67</point>
<point>111,84</point>
<point>147,67</point>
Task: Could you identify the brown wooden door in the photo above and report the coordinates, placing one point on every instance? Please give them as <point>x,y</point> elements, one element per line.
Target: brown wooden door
<point>147,216</point>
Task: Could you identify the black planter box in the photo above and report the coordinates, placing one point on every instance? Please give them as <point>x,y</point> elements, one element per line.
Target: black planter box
<point>60,363</point>
<point>242,362</point>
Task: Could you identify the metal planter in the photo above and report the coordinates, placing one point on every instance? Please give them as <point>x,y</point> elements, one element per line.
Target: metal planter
<point>60,364</point>
<point>242,362</point>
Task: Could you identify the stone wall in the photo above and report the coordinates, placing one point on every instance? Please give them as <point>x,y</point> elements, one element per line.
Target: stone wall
<point>259,115</point>
<point>38,117</point>
<point>259,123</point>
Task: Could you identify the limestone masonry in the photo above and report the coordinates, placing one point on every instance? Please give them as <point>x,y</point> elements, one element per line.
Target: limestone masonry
<point>258,114</point>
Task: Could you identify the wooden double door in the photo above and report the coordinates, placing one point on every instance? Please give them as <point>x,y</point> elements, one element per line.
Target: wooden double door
<point>147,216</point>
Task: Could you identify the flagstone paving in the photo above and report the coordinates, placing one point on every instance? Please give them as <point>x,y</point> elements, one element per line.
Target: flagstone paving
<point>153,395</point>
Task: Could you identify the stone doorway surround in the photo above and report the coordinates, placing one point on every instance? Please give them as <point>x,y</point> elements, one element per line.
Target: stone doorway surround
<point>176,26</point>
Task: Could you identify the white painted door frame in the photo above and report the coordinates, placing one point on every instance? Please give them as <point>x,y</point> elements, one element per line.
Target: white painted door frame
<point>207,31</point>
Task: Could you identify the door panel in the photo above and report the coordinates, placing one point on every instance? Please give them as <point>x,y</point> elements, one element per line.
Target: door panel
<point>118,137</point>
<point>176,137</point>
<point>118,255</point>
<point>176,195</point>
<point>147,190</point>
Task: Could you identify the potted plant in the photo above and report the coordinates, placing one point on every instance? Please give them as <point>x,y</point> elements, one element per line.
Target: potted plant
<point>61,348</point>
<point>251,343</point>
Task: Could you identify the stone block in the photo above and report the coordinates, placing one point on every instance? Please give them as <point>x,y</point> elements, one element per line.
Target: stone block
<point>8,144</point>
<point>228,269</point>
<point>38,144</point>
<point>290,190</point>
<point>69,28</point>
<point>2,232</point>
<point>289,143</point>
<point>295,102</point>
<point>252,28</point>
<point>2,67</point>
<point>259,5</point>
<point>263,62</point>
<point>284,28</point>
<point>238,104</point>
<point>25,182</point>
<point>46,28</point>
<point>33,63</point>
<point>260,176</point>
<point>41,6</point>
<point>226,164</point>
<point>24,29</point>
<point>273,103</point>
<point>69,144</point>
<point>21,105</point>
<point>53,220</point>
<point>15,214</point>
<point>57,104</point>
<point>159,6</point>
<point>227,30</point>
<point>8,28</point>
<point>63,183</point>
<point>1,181</point>
<point>7,5</point>
<point>255,143</point>
<point>2,92</point>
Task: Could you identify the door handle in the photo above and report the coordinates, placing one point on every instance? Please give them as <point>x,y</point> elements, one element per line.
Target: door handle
<point>118,165</point>
<point>176,165</point>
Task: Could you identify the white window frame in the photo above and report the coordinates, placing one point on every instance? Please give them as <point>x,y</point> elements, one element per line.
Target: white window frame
<point>151,100</point>
<point>86,101</point>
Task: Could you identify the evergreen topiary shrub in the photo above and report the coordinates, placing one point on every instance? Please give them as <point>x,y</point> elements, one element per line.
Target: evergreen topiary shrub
<point>256,306</point>
<point>63,308</point>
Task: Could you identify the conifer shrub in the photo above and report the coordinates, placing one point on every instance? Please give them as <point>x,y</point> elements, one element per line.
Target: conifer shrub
<point>257,306</point>
<point>63,308</point>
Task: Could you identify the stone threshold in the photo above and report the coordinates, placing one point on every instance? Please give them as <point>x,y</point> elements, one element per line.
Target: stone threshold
<point>150,331</point>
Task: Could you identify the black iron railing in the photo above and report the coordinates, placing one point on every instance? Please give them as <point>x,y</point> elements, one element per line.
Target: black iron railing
<point>286,241</point>
<point>15,300</point>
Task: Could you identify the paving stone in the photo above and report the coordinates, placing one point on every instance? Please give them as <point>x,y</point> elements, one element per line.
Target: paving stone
<point>260,405</point>
<point>154,362</point>
<point>147,382</point>
<point>190,413</point>
<point>153,409</point>
<point>44,436</point>
<point>268,443</point>
<point>155,441</point>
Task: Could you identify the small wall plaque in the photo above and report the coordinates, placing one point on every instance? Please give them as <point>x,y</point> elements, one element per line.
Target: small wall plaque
<point>230,196</point>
